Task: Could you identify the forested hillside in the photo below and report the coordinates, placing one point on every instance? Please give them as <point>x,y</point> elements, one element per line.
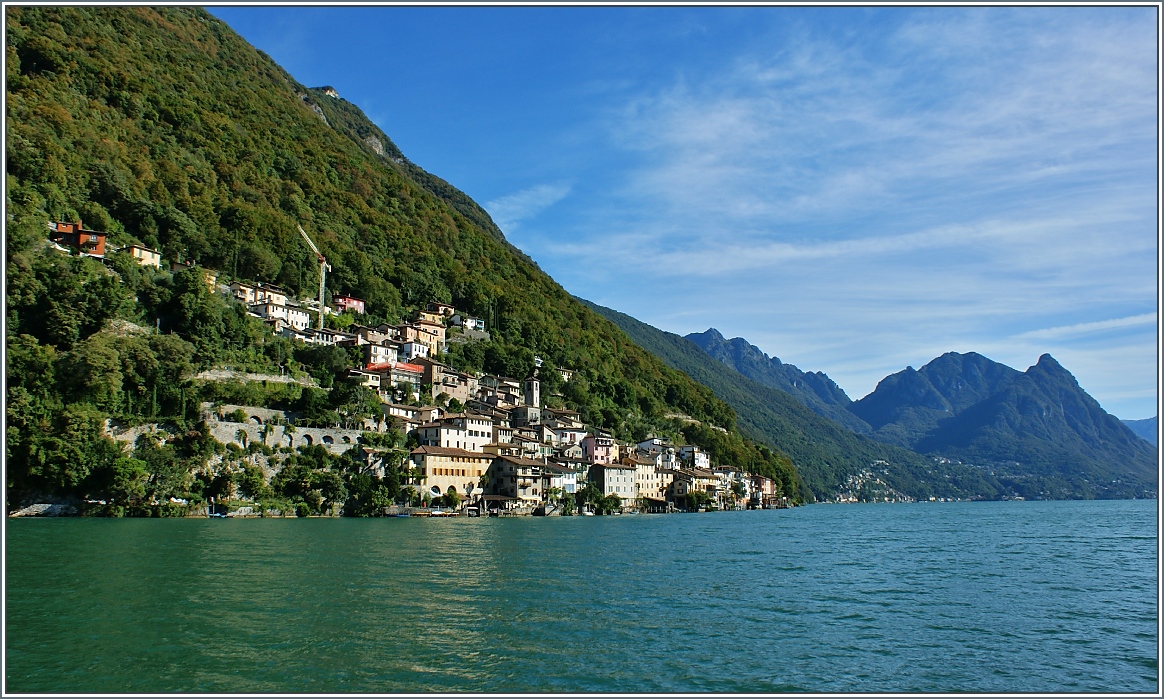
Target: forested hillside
<point>162,127</point>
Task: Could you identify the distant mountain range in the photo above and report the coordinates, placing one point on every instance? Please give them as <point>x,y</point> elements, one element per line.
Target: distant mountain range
<point>1146,428</point>
<point>815,389</point>
<point>1033,427</point>
<point>831,459</point>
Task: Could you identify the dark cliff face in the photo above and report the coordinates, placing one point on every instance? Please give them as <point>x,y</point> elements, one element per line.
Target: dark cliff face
<point>897,395</point>
<point>966,379</point>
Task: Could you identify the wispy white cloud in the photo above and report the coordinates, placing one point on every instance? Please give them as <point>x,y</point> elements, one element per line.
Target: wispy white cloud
<point>977,180</point>
<point>1064,331</point>
<point>510,210</point>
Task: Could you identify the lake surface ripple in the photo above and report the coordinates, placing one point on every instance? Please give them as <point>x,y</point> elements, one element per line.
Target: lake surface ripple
<point>982,597</point>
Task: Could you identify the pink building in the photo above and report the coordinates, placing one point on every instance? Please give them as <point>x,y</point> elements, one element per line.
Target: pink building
<point>347,303</point>
<point>599,449</point>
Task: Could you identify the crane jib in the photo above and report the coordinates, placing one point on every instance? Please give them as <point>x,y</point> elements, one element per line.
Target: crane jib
<point>324,268</point>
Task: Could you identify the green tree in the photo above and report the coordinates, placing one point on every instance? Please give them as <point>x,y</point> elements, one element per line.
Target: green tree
<point>252,484</point>
<point>697,499</point>
<point>127,482</point>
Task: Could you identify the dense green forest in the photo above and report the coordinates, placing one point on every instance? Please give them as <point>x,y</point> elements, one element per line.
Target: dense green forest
<point>162,127</point>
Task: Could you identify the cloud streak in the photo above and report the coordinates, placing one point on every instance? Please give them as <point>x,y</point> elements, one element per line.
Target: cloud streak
<point>1064,331</point>
<point>510,210</point>
<point>970,176</point>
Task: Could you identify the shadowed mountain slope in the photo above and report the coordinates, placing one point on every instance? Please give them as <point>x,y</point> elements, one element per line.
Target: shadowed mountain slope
<point>814,389</point>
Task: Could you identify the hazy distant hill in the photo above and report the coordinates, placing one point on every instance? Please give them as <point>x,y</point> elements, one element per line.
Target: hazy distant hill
<point>1146,428</point>
<point>814,389</point>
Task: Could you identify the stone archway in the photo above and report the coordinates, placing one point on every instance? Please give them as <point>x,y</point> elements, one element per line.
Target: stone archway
<point>308,440</point>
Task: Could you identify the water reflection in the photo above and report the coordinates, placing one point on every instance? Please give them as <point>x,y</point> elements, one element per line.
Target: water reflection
<point>1052,596</point>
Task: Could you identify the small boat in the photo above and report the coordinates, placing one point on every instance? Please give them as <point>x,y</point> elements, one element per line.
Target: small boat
<point>494,513</point>
<point>400,514</point>
<point>217,515</point>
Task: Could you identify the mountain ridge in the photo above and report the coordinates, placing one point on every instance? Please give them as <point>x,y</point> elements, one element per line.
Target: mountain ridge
<point>815,389</point>
<point>1146,429</point>
<point>1032,426</point>
<point>827,454</point>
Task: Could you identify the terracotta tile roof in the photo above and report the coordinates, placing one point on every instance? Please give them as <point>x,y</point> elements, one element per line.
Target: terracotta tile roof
<point>387,366</point>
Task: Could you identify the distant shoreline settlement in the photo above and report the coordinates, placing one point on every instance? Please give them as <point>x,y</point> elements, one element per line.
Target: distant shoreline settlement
<point>484,444</point>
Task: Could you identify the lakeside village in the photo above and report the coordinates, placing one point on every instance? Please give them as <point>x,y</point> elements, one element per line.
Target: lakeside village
<point>493,448</point>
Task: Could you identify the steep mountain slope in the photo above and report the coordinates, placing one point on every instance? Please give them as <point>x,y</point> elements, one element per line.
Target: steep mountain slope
<point>908,404</point>
<point>814,389</point>
<point>825,453</point>
<point>163,127</point>
<point>1145,429</point>
<point>1037,425</point>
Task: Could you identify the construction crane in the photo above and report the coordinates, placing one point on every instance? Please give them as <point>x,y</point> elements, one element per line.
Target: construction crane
<point>324,268</point>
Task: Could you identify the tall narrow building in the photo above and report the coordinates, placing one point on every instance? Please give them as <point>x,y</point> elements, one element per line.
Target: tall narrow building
<point>533,392</point>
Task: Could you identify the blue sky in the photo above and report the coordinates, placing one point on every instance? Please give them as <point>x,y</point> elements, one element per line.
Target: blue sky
<point>853,190</point>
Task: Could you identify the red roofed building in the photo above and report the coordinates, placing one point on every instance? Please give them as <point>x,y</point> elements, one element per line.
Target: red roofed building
<point>397,373</point>
<point>90,243</point>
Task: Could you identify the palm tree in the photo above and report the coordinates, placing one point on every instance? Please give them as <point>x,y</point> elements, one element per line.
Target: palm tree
<point>241,437</point>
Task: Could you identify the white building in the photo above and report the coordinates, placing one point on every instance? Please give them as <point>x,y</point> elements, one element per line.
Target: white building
<point>381,354</point>
<point>292,315</point>
<point>466,431</point>
<point>555,476</point>
<point>412,349</point>
<point>692,455</point>
<point>615,479</point>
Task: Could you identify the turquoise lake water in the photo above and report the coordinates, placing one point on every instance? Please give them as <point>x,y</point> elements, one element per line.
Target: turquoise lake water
<point>982,597</point>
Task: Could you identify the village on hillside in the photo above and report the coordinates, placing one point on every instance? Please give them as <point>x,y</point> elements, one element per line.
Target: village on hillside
<point>484,444</point>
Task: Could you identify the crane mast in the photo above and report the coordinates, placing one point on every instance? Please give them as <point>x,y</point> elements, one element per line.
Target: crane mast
<point>324,268</point>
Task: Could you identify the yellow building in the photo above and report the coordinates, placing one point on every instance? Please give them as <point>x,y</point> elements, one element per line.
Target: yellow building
<point>430,317</point>
<point>145,256</point>
<point>440,470</point>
